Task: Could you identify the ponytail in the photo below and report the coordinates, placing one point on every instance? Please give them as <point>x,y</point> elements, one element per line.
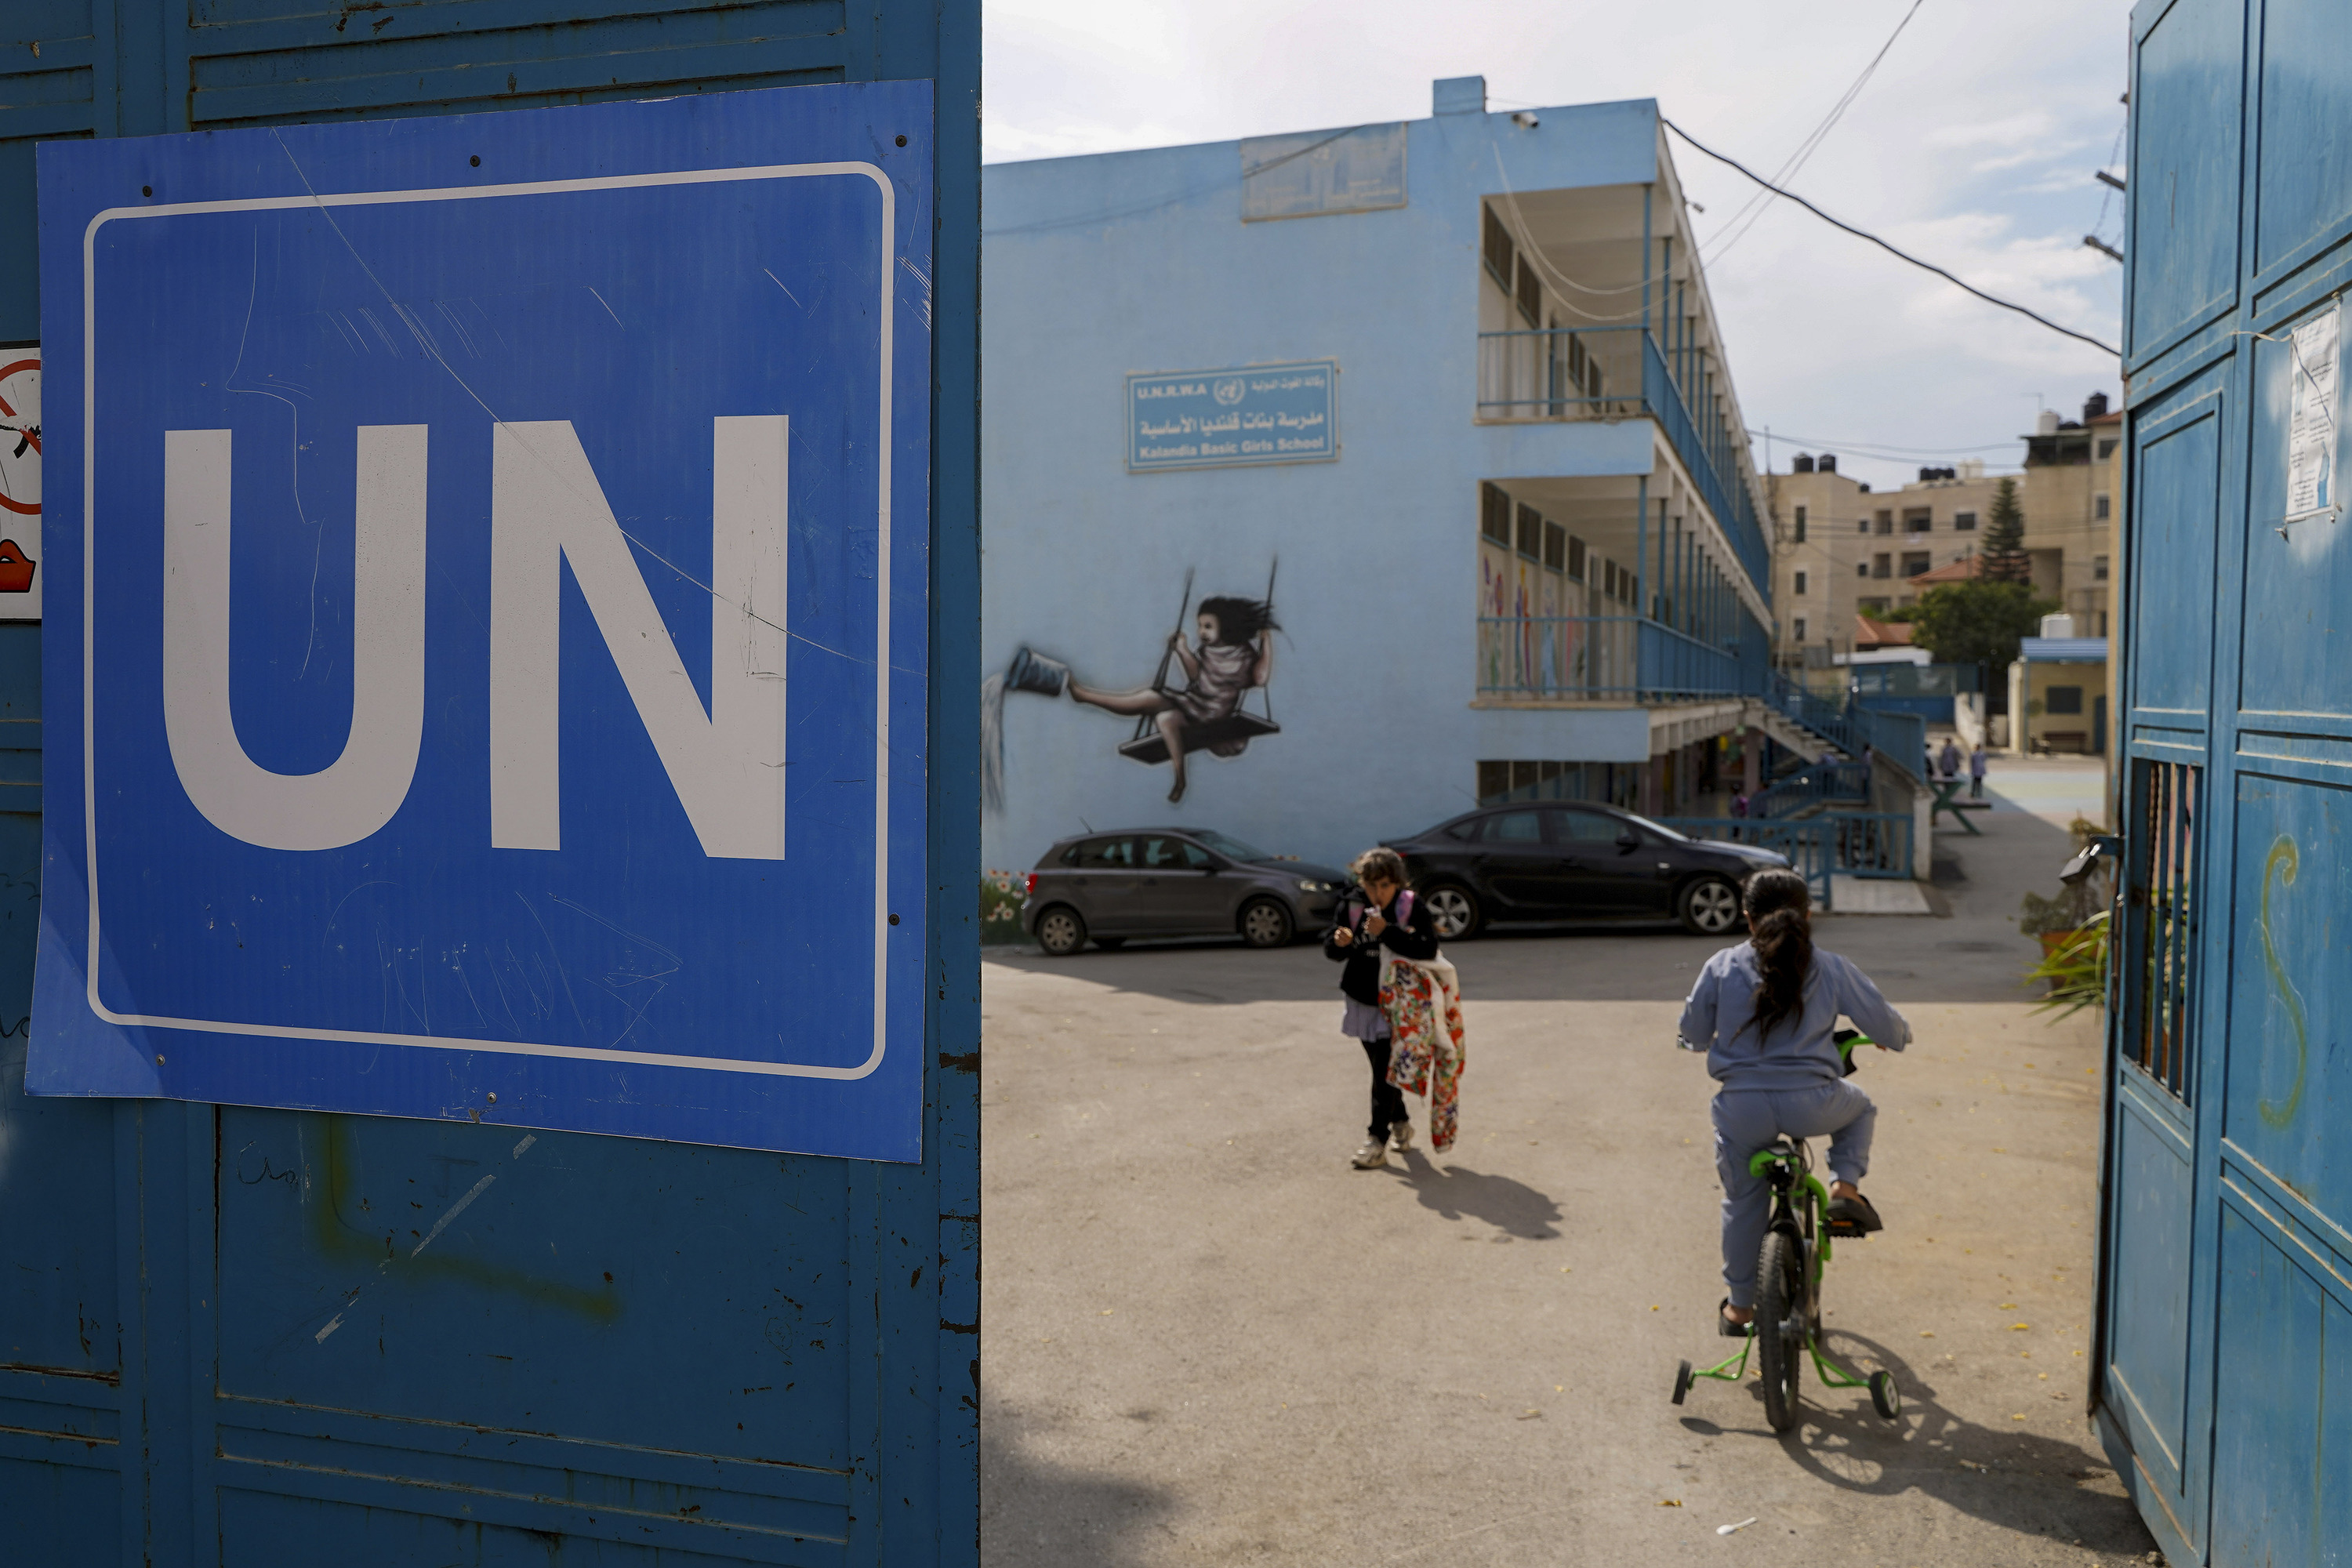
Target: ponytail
<point>1780,911</point>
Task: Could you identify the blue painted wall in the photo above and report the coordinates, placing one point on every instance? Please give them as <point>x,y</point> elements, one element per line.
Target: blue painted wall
<point>1099,267</point>
<point>627,1350</point>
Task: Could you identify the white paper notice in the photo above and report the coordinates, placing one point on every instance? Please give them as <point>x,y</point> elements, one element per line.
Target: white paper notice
<point>2311,425</point>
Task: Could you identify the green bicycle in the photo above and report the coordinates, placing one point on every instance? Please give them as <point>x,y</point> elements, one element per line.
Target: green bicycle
<point>1787,1323</point>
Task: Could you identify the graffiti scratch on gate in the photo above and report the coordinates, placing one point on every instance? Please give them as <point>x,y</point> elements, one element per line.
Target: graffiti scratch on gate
<point>2281,865</point>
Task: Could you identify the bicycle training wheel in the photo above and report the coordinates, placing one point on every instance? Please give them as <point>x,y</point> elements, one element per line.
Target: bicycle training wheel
<point>1779,1290</point>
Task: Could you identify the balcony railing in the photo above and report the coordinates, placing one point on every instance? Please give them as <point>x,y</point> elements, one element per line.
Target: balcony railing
<point>1618,372</point>
<point>1625,659</point>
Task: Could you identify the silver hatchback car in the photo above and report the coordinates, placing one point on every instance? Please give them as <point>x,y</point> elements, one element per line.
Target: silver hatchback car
<point>1173,881</point>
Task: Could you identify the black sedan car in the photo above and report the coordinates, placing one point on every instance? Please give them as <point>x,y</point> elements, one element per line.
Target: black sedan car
<point>1173,881</point>
<point>1575,862</point>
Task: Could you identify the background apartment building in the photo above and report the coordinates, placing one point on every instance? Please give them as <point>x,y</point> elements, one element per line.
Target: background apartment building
<point>1843,550</point>
<point>2072,493</point>
<point>1840,549</point>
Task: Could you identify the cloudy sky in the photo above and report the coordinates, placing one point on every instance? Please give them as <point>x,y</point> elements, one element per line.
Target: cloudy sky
<point>1972,145</point>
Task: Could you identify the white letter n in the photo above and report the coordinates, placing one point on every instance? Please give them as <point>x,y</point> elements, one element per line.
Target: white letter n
<point>728,767</point>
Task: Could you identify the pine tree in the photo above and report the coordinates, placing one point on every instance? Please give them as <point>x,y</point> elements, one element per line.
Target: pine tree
<point>2003,550</point>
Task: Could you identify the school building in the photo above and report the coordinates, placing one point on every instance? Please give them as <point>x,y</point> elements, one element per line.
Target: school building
<point>1335,481</point>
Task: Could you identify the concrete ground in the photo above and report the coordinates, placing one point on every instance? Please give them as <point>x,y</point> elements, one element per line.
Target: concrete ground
<point>1205,1340</point>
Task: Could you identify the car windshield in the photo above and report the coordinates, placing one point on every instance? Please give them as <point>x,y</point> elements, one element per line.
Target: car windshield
<point>1231,848</point>
<point>1668,834</point>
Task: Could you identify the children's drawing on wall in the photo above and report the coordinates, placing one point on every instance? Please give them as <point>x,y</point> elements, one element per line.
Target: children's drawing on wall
<point>1221,651</point>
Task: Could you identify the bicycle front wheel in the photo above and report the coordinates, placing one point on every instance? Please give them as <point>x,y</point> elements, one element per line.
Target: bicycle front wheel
<point>1779,1335</point>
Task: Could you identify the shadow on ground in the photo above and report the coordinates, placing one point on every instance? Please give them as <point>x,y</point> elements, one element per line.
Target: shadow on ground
<point>1458,1191</point>
<point>2033,1485</point>
<point>1041,1513</point>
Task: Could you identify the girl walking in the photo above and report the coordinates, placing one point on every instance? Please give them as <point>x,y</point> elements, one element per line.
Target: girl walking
<point>1378,915</point>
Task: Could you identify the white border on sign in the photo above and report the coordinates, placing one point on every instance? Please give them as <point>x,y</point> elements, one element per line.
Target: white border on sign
<point>881,596</point>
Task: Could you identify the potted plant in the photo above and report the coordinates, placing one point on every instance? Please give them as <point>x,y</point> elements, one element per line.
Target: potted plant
<point>2055,921</point>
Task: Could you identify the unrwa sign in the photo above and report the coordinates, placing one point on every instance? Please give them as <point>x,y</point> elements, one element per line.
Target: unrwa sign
<point>483,661</point>
<point>1214,419</point>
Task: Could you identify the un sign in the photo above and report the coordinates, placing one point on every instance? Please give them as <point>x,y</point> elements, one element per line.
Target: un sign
<point>486,617</point>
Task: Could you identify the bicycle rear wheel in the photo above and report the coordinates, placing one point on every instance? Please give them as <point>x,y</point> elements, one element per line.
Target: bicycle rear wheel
<point>1780,1341</point>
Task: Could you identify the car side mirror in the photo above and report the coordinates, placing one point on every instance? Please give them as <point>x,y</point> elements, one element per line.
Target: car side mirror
<point>1629,839</point>
<point>1213,867</point>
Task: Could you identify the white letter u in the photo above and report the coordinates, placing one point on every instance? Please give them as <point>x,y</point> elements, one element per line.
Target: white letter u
<point>360,791</point>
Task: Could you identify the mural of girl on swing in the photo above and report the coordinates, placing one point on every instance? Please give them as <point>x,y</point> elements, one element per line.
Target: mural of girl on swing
<point>1232,656</point>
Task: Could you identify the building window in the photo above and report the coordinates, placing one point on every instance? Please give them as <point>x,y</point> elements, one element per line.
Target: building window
<point>1800,588</point>
<point>1964,523</point>
<point>1494,515</point>
<point>1800,626</point>
<point>2103,623</point>
<point>2106,448</point>
<point>1531,294</point>
<point>1862,568</point>
<point>1871,606</point>
<point>2098,568</point>
<point>1531,533</point>
<point>1862,525</point>
<point>2100,508</point>
<point>1501,258</point>
<point>1576,558</point>
<point>1801,525</point>
<point>1555,546</point>
<point>1915,562</point>
<point>1885,522</point>
<point>2062,699</point>
<point>1882,566</point>
<point>1918,520</point>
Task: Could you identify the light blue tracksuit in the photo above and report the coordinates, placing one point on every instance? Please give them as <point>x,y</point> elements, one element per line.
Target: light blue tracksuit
<point>1790,1079</point>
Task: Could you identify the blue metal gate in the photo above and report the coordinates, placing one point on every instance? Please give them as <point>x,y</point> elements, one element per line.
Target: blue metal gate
<point>212,1347</point>
<point>2223,1379</point>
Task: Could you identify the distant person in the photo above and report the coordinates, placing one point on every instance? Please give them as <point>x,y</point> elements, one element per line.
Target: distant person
<point>1378,913</point>
<point>1739,803</point>
<point>1977,760</point>
<point>1951,758</point>
<point>1766,1013</point>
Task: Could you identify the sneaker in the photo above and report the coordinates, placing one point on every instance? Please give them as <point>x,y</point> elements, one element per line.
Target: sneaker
<point>1400,1136</point>
<point>1372,1155</point>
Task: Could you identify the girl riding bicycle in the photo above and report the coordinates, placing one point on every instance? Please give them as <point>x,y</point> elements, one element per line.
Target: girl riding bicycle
<point>1766,1013</point>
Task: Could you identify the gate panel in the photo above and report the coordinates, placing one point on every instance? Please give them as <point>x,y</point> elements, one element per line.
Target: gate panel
<point>2149,1272</point>
<point>2184,209</point>
<point>2296,649</point>
<point>2283,1417</point>
<point>2176,491</point>
<point>2288,1060</point>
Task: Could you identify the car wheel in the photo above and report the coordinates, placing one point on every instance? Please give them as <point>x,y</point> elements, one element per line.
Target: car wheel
<point>1265,923</point>
<point>1709,907</point>
<point>1454,910</point>
<point>1061,932</point>
<point>1110,943</point>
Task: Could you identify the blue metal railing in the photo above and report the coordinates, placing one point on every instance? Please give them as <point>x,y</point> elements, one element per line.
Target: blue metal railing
<point>1620,373</point>
<point>1632,658</point>
<point>1815,786</point>
<point>1805,844</point>
<point>1869,844</point>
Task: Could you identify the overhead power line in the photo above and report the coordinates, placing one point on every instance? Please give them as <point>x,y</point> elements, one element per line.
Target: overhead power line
<point>1734,230</point>
<point>1891,250</point>
<point>1877,449</point>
